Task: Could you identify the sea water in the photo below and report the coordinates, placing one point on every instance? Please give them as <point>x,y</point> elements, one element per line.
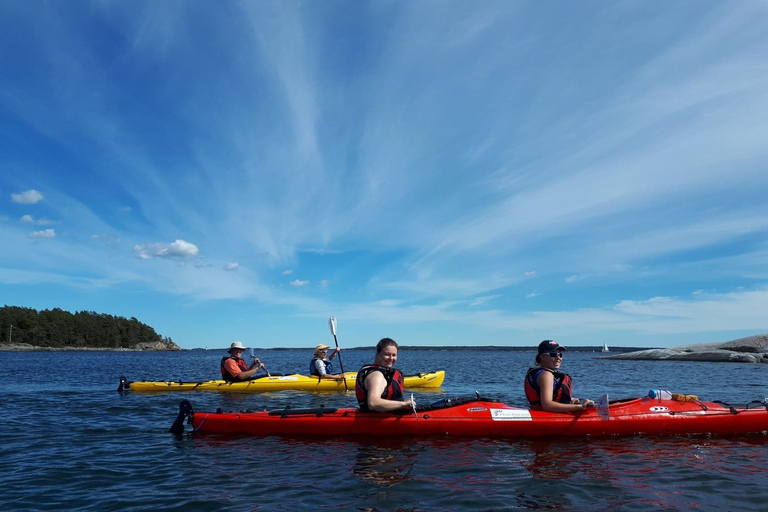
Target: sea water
<point>70,441</point>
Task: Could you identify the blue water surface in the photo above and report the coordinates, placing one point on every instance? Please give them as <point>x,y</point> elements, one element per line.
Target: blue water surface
<point>70,441</point>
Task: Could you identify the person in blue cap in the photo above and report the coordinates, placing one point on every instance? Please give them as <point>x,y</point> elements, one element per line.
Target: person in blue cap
<point>546,386</point>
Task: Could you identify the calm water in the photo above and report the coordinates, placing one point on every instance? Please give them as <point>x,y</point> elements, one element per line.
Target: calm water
<point>69,441</point>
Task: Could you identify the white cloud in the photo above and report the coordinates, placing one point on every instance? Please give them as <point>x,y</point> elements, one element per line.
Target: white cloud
<point>179,249</point>
<point>530,273</point>
<point>231,266</point>
<point>532,295</point>
<point>297,282</point>
<point>287,272</point>
<point>46,233</point>
<point>324,283</point>
<point>28,197</point>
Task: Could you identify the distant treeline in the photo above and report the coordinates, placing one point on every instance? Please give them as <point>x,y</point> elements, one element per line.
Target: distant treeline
<point>59,328</point>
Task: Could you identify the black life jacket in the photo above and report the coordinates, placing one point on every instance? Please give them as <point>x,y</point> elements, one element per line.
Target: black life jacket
<point>313,368</point>
<point>393,390</point>
<point>228,376</point>
<point>562,390</point>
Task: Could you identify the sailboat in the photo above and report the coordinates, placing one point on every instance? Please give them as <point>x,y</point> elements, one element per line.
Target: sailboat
<point>605,347</point>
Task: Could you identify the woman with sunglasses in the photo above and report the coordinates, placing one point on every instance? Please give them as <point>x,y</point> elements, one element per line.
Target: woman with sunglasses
<point>547,386</point>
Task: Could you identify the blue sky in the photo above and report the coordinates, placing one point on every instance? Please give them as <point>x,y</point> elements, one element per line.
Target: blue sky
<point>440,172</point>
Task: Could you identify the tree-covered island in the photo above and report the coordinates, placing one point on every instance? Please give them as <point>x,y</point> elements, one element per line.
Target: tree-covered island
<point>56,329</point>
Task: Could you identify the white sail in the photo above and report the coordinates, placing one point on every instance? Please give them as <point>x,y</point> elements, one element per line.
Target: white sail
<point>605,347</point>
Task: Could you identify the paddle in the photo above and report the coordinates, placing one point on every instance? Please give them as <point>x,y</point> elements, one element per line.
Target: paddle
<point>262,364</point>
<point>602,407</point>
<point>332,327</point>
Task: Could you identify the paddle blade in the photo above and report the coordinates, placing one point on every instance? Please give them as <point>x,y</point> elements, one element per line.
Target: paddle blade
<point>602,407</point>
<point>332,325</point>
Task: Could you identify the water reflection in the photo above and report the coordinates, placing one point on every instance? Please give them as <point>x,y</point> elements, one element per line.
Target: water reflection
<point>383,463</point>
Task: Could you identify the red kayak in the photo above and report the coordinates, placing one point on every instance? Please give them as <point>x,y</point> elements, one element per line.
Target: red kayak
<point>477,417</point>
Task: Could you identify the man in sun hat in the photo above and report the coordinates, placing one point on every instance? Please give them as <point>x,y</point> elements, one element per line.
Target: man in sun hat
<point>320,366</point>
<point>234,369</point>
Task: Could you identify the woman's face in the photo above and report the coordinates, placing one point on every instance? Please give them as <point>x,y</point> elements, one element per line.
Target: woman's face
<point>387,357</point>
<point>551,360</point>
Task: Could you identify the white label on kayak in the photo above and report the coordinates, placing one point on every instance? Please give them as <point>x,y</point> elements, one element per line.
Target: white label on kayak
<point>511,415</point>
<point>289,377</point>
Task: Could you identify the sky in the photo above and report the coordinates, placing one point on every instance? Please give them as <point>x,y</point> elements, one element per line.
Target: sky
<point>445,173</point>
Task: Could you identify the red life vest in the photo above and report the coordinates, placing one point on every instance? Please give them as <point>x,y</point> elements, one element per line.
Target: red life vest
<point>225,373</point>
<point>562,390</point>
<point>393,390</point>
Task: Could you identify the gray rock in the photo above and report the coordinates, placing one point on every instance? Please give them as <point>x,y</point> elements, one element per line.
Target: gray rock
<point>752,349</point>
<point>157,345</point>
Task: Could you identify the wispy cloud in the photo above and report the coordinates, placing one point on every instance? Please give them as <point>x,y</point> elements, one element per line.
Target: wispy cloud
<point>46,233</point>
<point>618,167</point>
<point>479,301</point>
<point>28,219</point>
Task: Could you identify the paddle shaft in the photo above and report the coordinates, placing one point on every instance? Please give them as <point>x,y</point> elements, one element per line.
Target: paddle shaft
<point>344,375</point>
<point>262,364</point>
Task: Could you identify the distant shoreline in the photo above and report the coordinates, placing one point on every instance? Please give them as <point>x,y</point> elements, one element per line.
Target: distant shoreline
<point>24,347</point>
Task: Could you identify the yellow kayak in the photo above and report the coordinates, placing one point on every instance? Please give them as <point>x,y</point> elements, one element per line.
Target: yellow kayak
<point>275,383</point>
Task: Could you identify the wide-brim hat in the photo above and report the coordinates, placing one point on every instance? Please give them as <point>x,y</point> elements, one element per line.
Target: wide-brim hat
<point>236,344</point>
<point>549,346</point>
<point>321,347</point>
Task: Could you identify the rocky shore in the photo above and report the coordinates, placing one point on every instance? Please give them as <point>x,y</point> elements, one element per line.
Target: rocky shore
<point>752,349</point>
<point>140,347</point>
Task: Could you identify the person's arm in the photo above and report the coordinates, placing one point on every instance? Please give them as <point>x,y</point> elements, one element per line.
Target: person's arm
<point>249,373</point>
<point>333,354</point>
<point>320,367</point>
<point>546,383</point>
<point>375,384</point>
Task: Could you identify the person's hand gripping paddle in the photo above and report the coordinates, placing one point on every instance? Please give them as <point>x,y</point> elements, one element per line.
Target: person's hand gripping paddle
<point>262,364</point>
<point>332,327</point>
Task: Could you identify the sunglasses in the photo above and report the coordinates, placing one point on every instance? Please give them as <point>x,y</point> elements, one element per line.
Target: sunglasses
<point>555,354</point>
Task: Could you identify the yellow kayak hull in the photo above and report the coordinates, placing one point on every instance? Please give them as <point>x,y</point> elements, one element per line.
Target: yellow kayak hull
<point>277,383</point>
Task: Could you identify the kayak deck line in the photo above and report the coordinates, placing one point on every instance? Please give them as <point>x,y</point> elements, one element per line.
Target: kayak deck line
<point>274,382</point>
<point>475,416</point>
